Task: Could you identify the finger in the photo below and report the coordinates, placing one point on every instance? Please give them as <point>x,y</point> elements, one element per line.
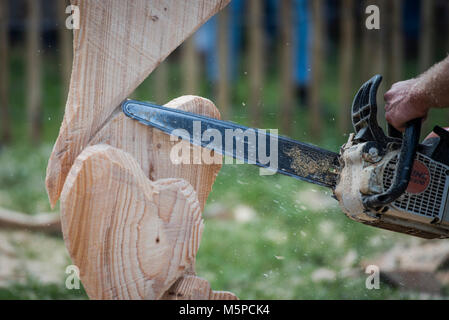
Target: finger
<point>388,95</point>
<point>393,120</point>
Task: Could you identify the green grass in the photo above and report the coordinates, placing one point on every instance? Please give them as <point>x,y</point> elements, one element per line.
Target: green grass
<point>33,289</point>
<point>22,178</point>
<point>274,255</point>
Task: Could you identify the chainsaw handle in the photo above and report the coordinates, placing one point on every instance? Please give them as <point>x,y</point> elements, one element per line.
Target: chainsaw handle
<point>404,168</point>
<point>393,132</point>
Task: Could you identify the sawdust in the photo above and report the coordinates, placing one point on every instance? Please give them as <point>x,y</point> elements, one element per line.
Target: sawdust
<point>307,164</point>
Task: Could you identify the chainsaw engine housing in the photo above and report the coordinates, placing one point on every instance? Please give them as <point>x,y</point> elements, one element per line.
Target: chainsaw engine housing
<point>393,182</point>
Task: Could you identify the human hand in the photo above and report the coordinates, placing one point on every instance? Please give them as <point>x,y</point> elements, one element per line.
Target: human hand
<point>405,102</point>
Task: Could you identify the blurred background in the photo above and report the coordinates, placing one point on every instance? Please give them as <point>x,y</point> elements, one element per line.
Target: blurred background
<point>293,65</point>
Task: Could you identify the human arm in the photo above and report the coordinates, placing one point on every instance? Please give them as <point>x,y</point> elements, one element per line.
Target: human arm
<point>410,99</point>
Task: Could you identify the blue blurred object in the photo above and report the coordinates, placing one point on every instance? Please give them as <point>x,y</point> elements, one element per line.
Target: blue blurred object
<point>206,41</point>
<point>206,38</point>
<point>301,38</point>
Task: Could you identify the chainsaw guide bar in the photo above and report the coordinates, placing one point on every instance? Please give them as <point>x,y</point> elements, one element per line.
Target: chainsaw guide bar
<point>295,159</point>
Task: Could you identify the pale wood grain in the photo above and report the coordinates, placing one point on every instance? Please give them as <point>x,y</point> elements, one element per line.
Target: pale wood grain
<point>116,47</point>
<point>131,238</point>
<point>151,147</point>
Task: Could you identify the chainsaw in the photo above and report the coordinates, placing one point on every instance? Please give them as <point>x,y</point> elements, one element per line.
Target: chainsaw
<point>386,181</point>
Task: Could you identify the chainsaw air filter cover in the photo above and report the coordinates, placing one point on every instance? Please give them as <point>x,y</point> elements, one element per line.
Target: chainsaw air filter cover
<point>425,195</point>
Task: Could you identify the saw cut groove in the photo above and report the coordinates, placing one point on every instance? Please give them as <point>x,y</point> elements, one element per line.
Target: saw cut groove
<point>151,147</point>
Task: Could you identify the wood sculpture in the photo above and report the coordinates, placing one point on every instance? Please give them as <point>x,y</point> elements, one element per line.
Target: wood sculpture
<point>119,43</point>
<point>131,218</point>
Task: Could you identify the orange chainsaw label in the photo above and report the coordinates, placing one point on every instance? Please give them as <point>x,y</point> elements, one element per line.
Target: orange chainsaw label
<point>419,179</point>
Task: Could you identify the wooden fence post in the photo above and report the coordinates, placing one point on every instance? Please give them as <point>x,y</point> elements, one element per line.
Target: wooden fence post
<point>346,64</point>
<point>65,46</point>
<point>382,58</point>
<point>34,87</point>
<point>256,65</point>
<point>286,56</point>
<point>5,132</point>
<point>223,99</point>
<point>374,50</point>
<point>370,50</point>
<point>426,35</point>
<point>161,82</point>
<point>426,42</point>
<point>397,49</point>
<point>318,61</point>
<point>190,66</point>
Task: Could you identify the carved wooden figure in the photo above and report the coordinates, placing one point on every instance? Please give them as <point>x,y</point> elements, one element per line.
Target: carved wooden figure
<point>131,218</point>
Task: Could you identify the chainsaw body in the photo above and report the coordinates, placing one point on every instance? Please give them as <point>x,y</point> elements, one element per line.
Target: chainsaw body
<point>393,182</point>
